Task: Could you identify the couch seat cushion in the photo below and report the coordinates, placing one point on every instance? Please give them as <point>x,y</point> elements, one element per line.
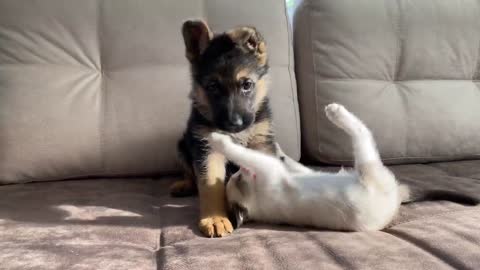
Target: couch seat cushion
<point>135,224</point>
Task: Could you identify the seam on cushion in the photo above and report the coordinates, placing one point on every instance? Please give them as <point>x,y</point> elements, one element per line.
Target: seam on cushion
<point>103,92</point>
<point>432,251</point>
<point>94,176</point>
<point>20,65</point>
<point>406,114</point>
<point>109,244</point>
<point>289,67</point>
<point>398,81</point>
<point>330,252</point>
<point>423,218</point>
<point>96,69</point>
<point>159,229</point>
<point>204,10</point>
<point>160,252</point>
<point>476,70</point>
<point>308,7</point>
<point>397,21</point>
<point>419,157</point>
<point>271,250</point>
<point>475,84</point>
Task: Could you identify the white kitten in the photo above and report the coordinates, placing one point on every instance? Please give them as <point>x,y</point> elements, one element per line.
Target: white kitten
<point>269,190</point>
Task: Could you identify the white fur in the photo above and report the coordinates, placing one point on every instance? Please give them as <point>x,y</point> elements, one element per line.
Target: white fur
<point>366,198</point>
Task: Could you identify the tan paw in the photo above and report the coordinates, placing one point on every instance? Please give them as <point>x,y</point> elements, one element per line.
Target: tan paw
<point>183,188</point>
<point>215,226</point>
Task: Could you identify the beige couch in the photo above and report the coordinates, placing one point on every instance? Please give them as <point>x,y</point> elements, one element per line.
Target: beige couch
<point>94,94</point>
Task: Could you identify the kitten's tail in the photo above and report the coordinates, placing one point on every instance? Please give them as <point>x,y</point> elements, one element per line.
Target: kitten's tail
<point>404,192</point>
<point>440,195</point>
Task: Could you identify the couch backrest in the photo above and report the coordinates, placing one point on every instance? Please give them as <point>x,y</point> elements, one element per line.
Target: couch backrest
<point>99,88</point>
<point>409,69</point>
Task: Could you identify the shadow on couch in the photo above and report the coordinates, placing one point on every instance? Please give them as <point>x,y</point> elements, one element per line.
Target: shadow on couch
<point>105,202</point>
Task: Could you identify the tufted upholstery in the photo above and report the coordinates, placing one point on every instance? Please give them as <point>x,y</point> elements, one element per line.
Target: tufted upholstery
<point>100,87</point>
<point>409,69</point>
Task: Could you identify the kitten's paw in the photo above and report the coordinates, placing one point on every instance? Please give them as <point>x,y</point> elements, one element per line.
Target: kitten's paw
<point>336,113</point>
<point>218,141</point>
<point>345,120</point>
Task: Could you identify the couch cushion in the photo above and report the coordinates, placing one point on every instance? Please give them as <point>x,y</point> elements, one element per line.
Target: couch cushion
<point>409,69</point>
<point>100,87</point>
<point>88,224</point>
<point>135,224</point>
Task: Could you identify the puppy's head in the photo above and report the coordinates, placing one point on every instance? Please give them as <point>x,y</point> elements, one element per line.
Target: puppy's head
<point>228,72</point>
<point>240,195</point>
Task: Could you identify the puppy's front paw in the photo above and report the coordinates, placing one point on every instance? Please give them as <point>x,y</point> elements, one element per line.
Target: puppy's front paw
<point>215,226</point>
<point>218,141</point>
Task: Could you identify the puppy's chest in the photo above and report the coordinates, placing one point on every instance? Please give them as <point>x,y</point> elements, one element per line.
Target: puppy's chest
<point>242,137</point>
<point>252,134</point>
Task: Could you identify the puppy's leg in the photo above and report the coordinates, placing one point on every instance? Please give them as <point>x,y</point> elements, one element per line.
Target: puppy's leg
<point>186,186</point>
<point>213,215</point>
<point>290,164</point>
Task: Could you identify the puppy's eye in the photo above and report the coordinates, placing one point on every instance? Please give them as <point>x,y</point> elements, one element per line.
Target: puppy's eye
<point>212,86</point>
<point>247,86</point>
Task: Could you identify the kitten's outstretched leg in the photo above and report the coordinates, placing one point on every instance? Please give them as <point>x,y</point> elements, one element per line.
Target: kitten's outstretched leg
<point>260,163</point>
<point>369,166</point>
<point>364,148</point>
<point>291,165</point>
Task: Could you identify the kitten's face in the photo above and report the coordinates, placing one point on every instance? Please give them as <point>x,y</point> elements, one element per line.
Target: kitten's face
<point>240,195</point>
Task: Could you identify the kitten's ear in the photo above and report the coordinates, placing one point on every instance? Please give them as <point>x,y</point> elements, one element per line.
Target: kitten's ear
<point>239,215</point>
<point>196,36</point>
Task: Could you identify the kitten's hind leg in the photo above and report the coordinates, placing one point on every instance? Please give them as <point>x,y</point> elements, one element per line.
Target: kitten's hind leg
<point>372,173</point>
<point>290,164</point>
<point>365,150</point>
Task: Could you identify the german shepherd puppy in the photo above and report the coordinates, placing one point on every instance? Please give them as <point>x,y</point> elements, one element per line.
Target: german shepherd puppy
<point>229,95</point>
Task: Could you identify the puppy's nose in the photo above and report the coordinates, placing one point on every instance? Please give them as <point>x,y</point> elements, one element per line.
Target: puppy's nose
<point>236,120</point>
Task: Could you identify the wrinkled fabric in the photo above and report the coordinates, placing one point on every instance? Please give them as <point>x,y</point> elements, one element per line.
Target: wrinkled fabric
<point>134,224</point>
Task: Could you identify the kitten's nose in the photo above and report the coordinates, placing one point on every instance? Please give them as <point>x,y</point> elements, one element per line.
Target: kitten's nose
<point>236,120</point>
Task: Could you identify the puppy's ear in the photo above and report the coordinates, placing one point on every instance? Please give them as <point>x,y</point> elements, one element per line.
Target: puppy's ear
<point>196,36</point>
<point>238,215</point>
<point>251,40</point>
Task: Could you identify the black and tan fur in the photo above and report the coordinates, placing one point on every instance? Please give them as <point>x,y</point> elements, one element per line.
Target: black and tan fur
<point>229,95</point>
